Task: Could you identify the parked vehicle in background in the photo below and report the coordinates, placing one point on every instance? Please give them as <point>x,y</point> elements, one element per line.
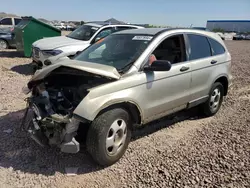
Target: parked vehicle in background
<point>247,37</point>
<point>131,77</point>
<point>60,26</point>
<point>8,22</point>
<point>76,41</point>
<point>201,28</point>
<point>6,38</point>
<point>239,37</point>
<point>70,28</point>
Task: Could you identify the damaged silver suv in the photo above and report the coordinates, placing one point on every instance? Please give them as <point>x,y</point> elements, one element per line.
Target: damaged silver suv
<point>131,77</point>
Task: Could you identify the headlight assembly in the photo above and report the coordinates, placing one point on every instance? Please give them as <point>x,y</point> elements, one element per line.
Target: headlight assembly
<point>51,52</point>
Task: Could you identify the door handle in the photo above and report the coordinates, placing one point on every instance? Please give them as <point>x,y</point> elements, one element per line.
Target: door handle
<point>213,61</point>
<point>184,69</point>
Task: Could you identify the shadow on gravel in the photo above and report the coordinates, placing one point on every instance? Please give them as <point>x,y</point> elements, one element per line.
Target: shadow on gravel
<point>10,54</point>
<point>165,122</point>
<point>20,152</point>
<point>25,69</point>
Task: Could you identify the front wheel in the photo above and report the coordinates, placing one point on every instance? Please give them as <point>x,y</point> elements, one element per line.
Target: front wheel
<point>108,136</point>
<point>3,44</point>
<point>213,104</point>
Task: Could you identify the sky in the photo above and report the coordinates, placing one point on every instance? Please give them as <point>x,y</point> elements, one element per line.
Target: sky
<point>181,13</point>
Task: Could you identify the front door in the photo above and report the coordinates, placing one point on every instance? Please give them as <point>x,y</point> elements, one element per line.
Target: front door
<point>168,91</point>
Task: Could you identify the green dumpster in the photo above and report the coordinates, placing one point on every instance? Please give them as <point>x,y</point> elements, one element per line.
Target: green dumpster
<point>30,30</point>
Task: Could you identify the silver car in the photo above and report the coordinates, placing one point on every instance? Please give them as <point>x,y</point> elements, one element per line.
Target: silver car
<point>131,77</point>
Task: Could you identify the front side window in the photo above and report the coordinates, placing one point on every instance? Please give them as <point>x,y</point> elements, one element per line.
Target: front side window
<point>119,51</point>
<point>217,48</point>
<point>6,21</point>
<point>200,47</point>
<point>85,32</point>
<point>171,49</point>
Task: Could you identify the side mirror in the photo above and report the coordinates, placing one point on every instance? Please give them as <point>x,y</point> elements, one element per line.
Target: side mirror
<point>158,65</point>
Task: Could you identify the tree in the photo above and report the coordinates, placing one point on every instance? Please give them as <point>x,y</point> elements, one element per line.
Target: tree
<point>218,30</point>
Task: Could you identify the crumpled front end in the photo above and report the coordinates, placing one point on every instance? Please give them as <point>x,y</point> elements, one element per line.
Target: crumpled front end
<point>50,116</point>
<point>51,120</point>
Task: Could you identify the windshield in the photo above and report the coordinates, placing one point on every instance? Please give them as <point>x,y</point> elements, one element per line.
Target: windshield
<point>85,32</point>
<point>118,51</point>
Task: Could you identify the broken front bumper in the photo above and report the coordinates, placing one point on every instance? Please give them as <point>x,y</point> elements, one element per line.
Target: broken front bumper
<point>31,123</point>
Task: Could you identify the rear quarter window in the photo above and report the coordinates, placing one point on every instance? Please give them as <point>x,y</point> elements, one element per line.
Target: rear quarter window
<point>200,47</point>
<point>217,48</point>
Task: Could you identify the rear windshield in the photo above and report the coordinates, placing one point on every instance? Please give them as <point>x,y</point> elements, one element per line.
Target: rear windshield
<point>85,32</point>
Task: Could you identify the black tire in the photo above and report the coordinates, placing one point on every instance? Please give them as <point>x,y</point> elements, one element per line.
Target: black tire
<point>3,44</point>
<point>207,109</point>
<point>100,130</point>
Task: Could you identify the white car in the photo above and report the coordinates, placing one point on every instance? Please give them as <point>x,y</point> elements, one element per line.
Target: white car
<point>47,50</point>
<point>8,22</point>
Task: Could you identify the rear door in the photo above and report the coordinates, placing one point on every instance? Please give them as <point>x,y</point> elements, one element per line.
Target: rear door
<point>203,65</point>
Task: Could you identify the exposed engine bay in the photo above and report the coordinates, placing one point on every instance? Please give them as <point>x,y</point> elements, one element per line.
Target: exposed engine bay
<point>52,104</point>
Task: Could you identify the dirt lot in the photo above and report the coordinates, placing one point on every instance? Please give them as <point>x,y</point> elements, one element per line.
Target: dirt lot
<point>181,151</point>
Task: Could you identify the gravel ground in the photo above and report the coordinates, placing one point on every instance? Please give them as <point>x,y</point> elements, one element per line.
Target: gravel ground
<point>182,151</point>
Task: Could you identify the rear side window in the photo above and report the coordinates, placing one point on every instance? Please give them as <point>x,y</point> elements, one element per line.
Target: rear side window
<point>200,47</point>
<point>217,48</point>
<point>104,33</point>
<point>17,20</point>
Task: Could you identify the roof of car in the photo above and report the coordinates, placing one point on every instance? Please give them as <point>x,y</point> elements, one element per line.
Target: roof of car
<point>101,24</point>
<point>144,31</point>
<point>156,31</point>
<point>93,24</point>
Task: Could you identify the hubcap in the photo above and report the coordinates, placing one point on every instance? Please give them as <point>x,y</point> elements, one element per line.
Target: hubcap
<point>116,137</point>
<point>3,44</point>
<point>215,100</point>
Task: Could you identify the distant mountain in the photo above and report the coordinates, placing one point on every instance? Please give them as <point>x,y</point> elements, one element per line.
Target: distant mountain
<point>114,21</point>
<point>3,14</point>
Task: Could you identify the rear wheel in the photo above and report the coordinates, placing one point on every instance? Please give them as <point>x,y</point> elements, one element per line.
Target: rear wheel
<point>3,44</point>
<point>108,136</point>
<point>213,104</point>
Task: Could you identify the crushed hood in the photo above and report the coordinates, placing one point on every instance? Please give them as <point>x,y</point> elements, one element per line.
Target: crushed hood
<point>51,43</point>
<point>98,69</point>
